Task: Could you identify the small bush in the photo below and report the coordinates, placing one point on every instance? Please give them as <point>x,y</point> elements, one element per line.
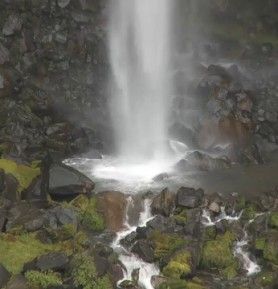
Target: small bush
<point>85,275</point>
<point>43,279</point>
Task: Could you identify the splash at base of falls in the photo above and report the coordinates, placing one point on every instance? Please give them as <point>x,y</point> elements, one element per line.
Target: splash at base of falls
<point>129,260</point>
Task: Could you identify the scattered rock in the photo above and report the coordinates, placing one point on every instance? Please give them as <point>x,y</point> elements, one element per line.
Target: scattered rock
<point>163,203</point>
<point>4,276</point>
<point>189,197</point>
<point>144,250</point>
<point>12,25</point>
<point>52,261</point>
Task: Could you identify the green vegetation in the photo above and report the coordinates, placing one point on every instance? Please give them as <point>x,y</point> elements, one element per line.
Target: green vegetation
<point>274,220</point>
<point>269,247</point>
<point>181,284</point>
<point>249,212</point>
<point>16,250</point>
<point>43,279</point>
<point>85,275</point>
<point>165,244</point>
<point>181,218</point>
<point>24,174</point>
<point>88,213</point>
<point>218,254</point>
<point>179,266</point>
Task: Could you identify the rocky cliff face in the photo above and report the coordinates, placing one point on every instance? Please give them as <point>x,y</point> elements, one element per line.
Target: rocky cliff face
<point>53,70</point>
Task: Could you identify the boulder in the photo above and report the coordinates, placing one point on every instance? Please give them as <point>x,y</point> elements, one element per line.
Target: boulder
<point>18,282</point>
<point>12,25</point>
<point>112,206</point>
<point>55,261</point>
<point>163,203</point>
<point>65,183</point>
<point>144,250</point>
<point>189,197</point>
<point>4,276</point>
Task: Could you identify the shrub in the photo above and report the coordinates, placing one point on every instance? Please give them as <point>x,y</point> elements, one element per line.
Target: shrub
<point>43,279</point>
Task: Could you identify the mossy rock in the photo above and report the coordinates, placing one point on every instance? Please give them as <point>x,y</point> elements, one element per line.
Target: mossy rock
<point>181,284</point>
<point>218,254</point>
<point>16,250</point>
<point>24,174</point>
<point>267,278</point>
<point>43,279</point>
<point>165,244</point>
<point>88,213</point>
<point>249,212</point>
<point>85,275</point>
<point>273,221</point>
<point>181,218</point>
<point>269,246</point>
<point>179,265</point>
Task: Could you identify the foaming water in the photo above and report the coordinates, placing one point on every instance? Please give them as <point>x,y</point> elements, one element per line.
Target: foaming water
<point>140,46</point>
<point>130,261</point>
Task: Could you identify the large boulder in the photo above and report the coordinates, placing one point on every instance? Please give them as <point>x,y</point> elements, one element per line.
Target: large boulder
<point>189,197</point>
<point>52,261</point>
<point>163,203</point>
<point>112,206</point>
<point>4,276</point>
<point>66,183</point>
<point>144,250</point>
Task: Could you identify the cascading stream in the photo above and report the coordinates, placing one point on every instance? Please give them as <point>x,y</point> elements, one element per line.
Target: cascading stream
<point>129,260</point>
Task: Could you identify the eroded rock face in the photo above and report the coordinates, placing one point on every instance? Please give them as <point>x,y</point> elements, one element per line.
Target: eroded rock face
<point>112,205</point>
<point>163,203</point>
<point>189,197</point>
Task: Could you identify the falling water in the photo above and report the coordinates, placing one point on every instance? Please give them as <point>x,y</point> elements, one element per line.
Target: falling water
<point>140,45</point>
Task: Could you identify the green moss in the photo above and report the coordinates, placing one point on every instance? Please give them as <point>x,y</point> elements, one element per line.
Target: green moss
<point>210,233</point>
<point>181,284</point>
<point>218,254</point>
<point>274,220</point>
<point>43,279</point>
<point>85,275</point>
<point>179,265</point>
<point>181,218</point>
<point>15,250</point>
<point>269,246</point>
<point>267,278</point>
<point>24,174</point>
<point>165,244</point>
<point>249,212</point>
<point>173,284</point>
<point>88,213</point>
<point>260,243</point>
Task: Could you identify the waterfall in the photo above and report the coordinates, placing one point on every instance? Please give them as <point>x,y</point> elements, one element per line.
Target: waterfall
<point>139,47</point>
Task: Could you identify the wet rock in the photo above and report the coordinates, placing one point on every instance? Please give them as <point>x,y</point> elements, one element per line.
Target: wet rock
<point>34,225</point>
<point>52,261</point>
<point>128,284</point>
<point>161,223</point>
<point>157,281</point>
<point>4,54</point>
<point>189,197</point>
<point>3,220</point>
<point>66,183</point>
<point>1,81</point>
<point>129,239</point>
<point>63,3</point>
<point>160,177</point>
<point>4,276</point>
<point>112,206</point>
<point>163,203</point>
<point>18,282</point>
<point>12,25</point>
<point>144,250</point>
<point>214,207</point>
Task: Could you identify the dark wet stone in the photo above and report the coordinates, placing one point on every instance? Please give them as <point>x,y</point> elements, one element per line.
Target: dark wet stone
<point>52,261</point>
<point>189,197</point>
<point>4,276</point>
<point>163,203</point>
<point>144,250</point>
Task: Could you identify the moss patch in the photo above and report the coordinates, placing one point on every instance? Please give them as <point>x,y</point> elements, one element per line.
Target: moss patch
<point>269,246</point>
<point>24,174</point>
<point>85,275</point>
<point>88,213</point>
<point>274,220</point>
<point>43,279</point>
<point>181,218</point>
<point>179,266</point>
<point>165,244</point>
<point>218,254</point>
<point>16,250</point>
